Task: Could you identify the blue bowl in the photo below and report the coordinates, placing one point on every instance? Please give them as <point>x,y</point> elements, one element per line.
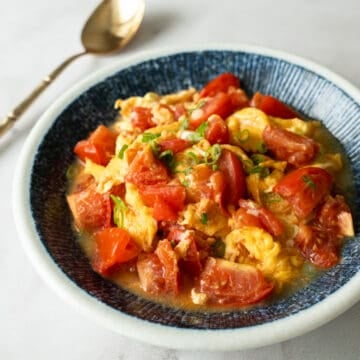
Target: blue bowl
<point>44,220</point>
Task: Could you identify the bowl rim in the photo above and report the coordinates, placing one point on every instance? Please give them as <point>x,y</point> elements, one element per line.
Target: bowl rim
<point>130,326</point>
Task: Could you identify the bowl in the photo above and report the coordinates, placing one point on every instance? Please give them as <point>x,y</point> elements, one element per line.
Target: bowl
<point>44,220</point>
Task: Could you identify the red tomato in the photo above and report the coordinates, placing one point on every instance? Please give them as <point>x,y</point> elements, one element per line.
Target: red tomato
<point>99,147</point>
<point>173,195</point>
<point>221,83</point>
<point>175,145</point>
<point>141,118</point>
<point>318,246</point>
<point>239,99</point>
<point>179,110</point>
<point>235,180</point>
<point>146,170</point>
<point>304,189</point>
<point>91,210</point>
<point>221,104</point>
<point>216,131</point>
<point>270,222</point>
<point>162,211</point>
<point>295,149</point>
<point>150,271</point>
<point>272,106</point>
<point>169,262</point>
<point>225,282</point>
<point>114,246</point>
<point>243,218</point>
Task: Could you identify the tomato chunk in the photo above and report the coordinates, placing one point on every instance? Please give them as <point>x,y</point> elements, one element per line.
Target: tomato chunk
<point>99,147</point>
<point>91,210</point>
<point>145,169</point>
<point>141,118</point>
<point>220,84</point>
<point>150,271</point>
<point>272,106</point>
<point>304,189</point>
<point>295,149</point>
<point>175,145</point>
<point>169,262</point>
<point>216,131</point>
<point>225,282</point>
<point>235,180</point>
<point>114,246</point>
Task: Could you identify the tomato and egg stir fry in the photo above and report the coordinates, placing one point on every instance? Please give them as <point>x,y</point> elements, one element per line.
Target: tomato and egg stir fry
<point>227,194</point>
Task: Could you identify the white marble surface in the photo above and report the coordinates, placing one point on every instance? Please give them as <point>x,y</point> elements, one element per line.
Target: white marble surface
<point>34,37</point>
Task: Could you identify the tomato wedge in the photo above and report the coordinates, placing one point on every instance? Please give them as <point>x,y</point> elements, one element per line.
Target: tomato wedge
<point>141,118</point>
<point>235,180</point>
<point>272,106</point>
<point>150,271</point>
<point>216,131</point>
<point>99,147</point>
<point>295,149</point>
<point>145,169</point>
<point>114,246</point>
<point>175,145</point>
<point>221,83</point>
<point>304,189</point>
<point>225,282</point>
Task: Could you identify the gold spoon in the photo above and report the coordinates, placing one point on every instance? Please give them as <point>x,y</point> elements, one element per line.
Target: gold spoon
<point>110,27</point>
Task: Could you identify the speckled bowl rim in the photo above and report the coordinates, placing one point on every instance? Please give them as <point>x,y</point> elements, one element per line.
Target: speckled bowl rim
<point>156,334</point>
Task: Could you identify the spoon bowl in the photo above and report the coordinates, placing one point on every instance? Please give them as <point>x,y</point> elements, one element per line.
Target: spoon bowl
<point>109,28</point>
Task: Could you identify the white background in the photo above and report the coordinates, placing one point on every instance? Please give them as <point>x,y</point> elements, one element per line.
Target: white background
<point>37,35</point>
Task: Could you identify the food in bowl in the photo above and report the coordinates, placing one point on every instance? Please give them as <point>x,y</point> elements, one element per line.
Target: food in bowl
<point>207,198</point>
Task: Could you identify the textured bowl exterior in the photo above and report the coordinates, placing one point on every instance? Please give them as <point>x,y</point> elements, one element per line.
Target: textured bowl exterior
<point>309,92</point>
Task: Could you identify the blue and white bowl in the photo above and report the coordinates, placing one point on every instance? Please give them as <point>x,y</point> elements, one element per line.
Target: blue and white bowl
<point>44,221</point>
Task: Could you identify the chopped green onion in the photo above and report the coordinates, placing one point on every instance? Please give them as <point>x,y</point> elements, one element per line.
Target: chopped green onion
<point>121,152</point>
<point>199,105</point>
<point>204,218</point>
<point>202,129</point>
<point>184,123</point>
<point>308,181</point>
<point>192,156</point>
<point>147,137</point>
<point>257,158</point>
<point>218,248</point>
<point>71,172</point>
<point>272,197</point>
<point>262,171</point>
<point>167,157</point>
<point>186,183</point>
<point>243,136</point>
<point>261,148</point>
<point>119,208</point>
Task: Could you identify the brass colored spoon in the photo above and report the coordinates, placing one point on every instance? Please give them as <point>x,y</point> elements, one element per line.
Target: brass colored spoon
<point>110,27</point>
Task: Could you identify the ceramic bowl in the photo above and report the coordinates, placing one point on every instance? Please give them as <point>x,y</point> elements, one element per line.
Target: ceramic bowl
<point>44,221</point>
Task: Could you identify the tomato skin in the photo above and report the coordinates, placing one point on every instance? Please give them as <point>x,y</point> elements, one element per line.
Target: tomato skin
<point>150,271</point>
<point>243,218</point>
<point>216,131</point>
<point>295,149</point>
<point>318,246</point>
<point>225,282</point>
<point>235,179</point>
<point>272,106</point>
<point>221,104</point>
<point>141,118</point>
<point>146,170</point>
<point>175,145</point>
<point>99,147</point>
<point>113,247</point>
<point>304,189</point>
<point>270,222</point>
<point>221,83</point>
<point>169,262</point>
<point>91,210</point>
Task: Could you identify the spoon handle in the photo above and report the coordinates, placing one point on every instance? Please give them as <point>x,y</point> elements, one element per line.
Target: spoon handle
<point>9,120</point>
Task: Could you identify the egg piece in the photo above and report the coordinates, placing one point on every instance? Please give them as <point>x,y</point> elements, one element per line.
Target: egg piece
<point>297,126</point>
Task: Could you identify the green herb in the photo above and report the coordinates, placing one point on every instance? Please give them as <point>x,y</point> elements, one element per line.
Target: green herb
<point>199,105</point>
<point>119,209</point>
<point>204,218</point>
<point>202,129</point>
<point>186,183</point>
<point>218,248</point>
<point>184,123</point>
<point>272,197</point>
<point>257,158</point>
<point>308,181</point>
<point>148,137</point>
<point>243,136</point>
<point>248,165</point>
<point>167,157</point>
<point>192,157</point>
<point>121,153</point>
<point>261,148</point>
<point>213,155</point>
<point>262,171</point>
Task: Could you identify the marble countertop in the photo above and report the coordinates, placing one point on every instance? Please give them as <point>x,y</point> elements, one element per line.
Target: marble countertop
<point>37,35</point>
